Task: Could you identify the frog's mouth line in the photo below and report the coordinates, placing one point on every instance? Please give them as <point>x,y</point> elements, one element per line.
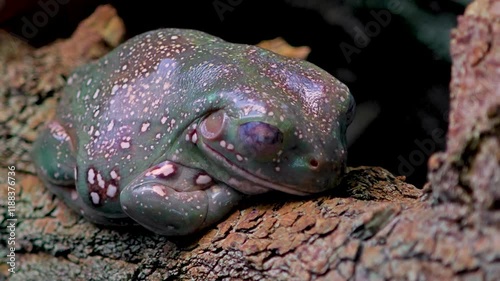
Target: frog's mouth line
<point>251,177</point>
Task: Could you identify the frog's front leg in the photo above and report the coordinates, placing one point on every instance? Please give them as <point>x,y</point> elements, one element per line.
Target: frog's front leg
<point>54,157</point>
<point>172,199</point>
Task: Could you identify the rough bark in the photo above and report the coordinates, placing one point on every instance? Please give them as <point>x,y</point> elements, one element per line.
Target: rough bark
<point>373,227</point>
<point>468,172</point>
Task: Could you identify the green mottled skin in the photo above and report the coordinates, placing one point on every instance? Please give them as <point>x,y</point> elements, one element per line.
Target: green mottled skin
<point>175,126</point>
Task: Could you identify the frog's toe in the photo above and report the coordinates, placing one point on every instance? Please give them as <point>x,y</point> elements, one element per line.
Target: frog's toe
<point>53,156</point>
<point>166,211</point>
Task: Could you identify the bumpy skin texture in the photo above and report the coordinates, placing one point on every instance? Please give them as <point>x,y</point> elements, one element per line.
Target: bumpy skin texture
<point>174,127</point>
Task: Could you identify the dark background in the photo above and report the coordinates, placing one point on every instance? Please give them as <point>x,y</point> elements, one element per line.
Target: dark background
<point>399,78</point>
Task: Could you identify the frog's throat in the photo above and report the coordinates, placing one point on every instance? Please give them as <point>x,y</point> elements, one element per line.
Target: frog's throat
<point>251,177</point>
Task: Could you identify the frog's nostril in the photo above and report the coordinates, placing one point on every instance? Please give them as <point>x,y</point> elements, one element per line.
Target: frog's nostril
<point>313,163</point>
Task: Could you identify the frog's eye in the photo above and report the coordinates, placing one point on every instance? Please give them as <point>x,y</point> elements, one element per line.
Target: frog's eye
<point>351,111</point>
<point>213,126</point>
<point>260,139</point>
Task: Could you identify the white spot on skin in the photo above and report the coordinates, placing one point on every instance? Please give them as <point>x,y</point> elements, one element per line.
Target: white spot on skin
<point>110,125</point>
<point>114,89</point>
<point>277,169</point>
<point>223,143</point>
<point>111,192</point>
<point>239,157</point>
<point>91,176</point>
<point>95,94</point>
<point>76,173</point>
<point>230,146</point>
<point>95,197</point>
<point>74,195</point>
<point>113,175</point>
<point>163,120</point>
<point>158,189</point>
<point>203,179</point>
<point>124,145</point>
<point>145,126</point>
<point>194,138</point>
<point>100,181</point>
<point>166,171</point>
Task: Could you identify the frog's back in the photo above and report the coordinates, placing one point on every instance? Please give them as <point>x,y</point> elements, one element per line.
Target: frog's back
<point>130,59</point>
<point>105,87</point>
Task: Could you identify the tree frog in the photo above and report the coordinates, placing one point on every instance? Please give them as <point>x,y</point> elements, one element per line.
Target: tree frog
<point>174,127</point>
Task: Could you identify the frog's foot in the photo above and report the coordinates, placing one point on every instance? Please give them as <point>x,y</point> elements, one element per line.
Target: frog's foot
<point>171,199</point>
<point>54,158</point>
